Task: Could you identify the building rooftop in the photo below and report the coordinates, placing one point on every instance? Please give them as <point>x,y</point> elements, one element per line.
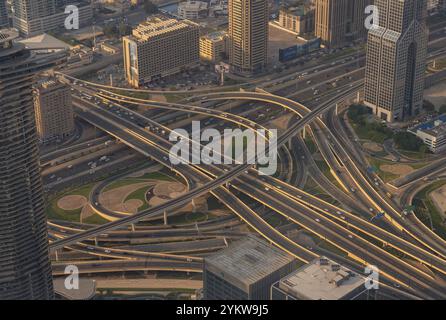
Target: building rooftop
<point>321,279</point>
<point>45,42</point>
<point>159,25</point>
<point>215,36</point>
<point>297,10</point>
<point>249,260</point>
<point>434,127</point>
<point>193,5</point>
<point>8,35</point>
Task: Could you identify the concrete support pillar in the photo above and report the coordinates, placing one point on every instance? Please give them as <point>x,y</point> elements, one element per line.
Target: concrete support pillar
<point>133,227</point>
<point>165,217</point>
<point>194,207</point>
<point>95,241</point>
<point>304,132</point>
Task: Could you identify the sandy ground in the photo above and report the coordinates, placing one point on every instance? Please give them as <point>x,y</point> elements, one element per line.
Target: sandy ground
<point>146,170</point>
<point>72,202</point>
<point>149,283</point>
<point>439,199</point>
<point>114,199</point>
<point>169,189</point>
<point>400,169</point>
<point>86,212</point>
<point>436,94</point>
<point>158,97</point>
<point>132,205</point>
<point>281,123</point>
<point>166,191</point>
<point>372,146</point>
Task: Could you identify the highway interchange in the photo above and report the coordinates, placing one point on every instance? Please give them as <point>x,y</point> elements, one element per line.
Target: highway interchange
<point>347,226</point>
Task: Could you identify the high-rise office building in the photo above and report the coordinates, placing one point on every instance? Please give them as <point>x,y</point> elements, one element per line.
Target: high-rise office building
<point>248,35</point>
<point>338,22</point>
<point>54,111</point>
<point>34,17</point>
<point>396,59</point>
<point>160,47</point>
<point>330,24</point>
<point>245,270</point>
<point>3,14</point>
<point>25,271</point>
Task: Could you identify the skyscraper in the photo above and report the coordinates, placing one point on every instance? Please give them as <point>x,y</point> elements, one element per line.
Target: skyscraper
<point>3,14</point>
<point>396,59</point>
<point>54,111</point>
<point>25,271</point>
<point>340,21</point>
<point>160,47</point>
<point>34,17</point>
<point>248,35</point>
<point>331,21</point>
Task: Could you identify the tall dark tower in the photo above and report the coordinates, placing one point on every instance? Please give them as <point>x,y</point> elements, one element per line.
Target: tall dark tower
<point>3,14</point>
<point>396,59</point>
<point>25,270</point>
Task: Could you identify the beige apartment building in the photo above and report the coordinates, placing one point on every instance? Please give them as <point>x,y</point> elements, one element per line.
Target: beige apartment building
<point>160,47</point>
<point>396,60</point>
<point>298,19</point>
<point>214,46</point>
<point>53,110</point>
<point>248,35</point>
<point>338,22</point>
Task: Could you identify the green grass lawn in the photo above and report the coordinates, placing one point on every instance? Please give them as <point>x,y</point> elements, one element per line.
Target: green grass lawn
<point>157,176</point>
<point>132,180</point>
<point>415,154</point>
<point>310,144</point>
<point>122,182</point>
<point>323,166</point>
<point>274,219</point>
<point>372,135</point>
<point>424,207</point>
<point>140,194</point>
<point>385,176</point>
<point>54,212</point>
<point>175,97</point>
<point>213,203</point>
<point>185,218</point>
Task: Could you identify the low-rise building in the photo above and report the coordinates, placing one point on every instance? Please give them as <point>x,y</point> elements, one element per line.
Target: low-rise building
<point>109,48</point>
<point>298,19</point>
<point>433,133</point>
<point>53,110</point>
<point>321,279</point>
<point>192,9</point>
<point>245,270</point>
<point>80,56</point>
<point>214,46</point>
<point>160,47</point>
